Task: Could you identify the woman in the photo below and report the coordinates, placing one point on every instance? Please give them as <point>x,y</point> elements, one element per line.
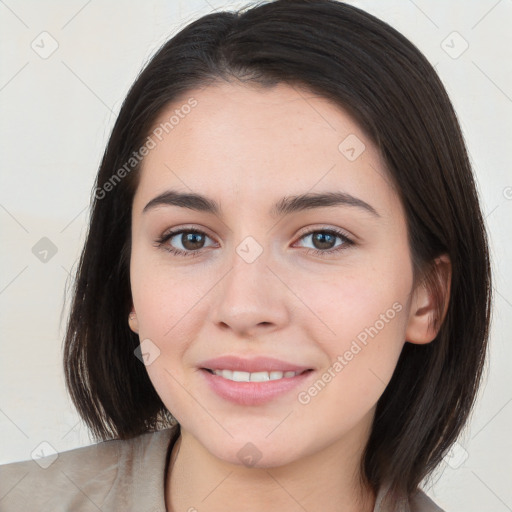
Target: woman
<point>284,293</point>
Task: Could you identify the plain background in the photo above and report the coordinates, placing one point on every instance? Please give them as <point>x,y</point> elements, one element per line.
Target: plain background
<point>56,114</point>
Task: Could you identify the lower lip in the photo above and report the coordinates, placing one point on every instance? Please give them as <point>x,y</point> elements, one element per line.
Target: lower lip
<point>253,393</point>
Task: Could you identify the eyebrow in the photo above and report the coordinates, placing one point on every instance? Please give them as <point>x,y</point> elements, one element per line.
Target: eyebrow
<point>284,206</point>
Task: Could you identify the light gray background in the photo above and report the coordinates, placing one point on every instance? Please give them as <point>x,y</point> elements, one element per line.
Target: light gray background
<point>56,115</point>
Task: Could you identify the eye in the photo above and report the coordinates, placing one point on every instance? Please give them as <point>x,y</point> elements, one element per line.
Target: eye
<point>324,241</point>
<point>189,242</point>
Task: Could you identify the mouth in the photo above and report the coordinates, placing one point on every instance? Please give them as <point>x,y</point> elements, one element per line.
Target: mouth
<point>259,376</point>
<point>257,387</point>
<point>253,380</point>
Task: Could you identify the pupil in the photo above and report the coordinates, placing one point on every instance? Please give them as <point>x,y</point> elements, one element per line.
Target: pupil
<point>321,238</point>
<point>190,241</point>
<point>193,241</point>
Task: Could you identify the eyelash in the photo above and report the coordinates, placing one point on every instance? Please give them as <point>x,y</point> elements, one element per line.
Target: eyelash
<point>161,242</point>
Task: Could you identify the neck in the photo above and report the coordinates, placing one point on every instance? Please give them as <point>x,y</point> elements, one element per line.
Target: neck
<point>327,480</point>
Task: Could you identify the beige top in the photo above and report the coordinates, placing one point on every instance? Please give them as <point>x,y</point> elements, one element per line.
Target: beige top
<point>111,476</point>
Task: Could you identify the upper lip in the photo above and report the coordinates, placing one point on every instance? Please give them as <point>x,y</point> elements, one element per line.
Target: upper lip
<point>251,365</point>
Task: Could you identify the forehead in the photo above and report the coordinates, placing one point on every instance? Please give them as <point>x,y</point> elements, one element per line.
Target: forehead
<point>263,142</point>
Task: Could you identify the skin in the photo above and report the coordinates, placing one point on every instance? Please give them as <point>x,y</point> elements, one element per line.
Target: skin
<point>247,147</point>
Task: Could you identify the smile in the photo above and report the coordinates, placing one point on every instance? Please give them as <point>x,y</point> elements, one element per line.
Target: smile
<point>255,388</point>
<point>239,376</point>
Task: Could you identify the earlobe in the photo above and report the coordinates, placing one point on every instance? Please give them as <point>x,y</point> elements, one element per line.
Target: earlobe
<point>133,322</point>
<point>430,302</point>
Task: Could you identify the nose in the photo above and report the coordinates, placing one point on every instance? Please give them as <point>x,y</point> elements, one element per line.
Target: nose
<point>252,299</point>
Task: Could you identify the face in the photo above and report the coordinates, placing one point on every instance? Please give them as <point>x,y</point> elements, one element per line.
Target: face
<point>319,288</point>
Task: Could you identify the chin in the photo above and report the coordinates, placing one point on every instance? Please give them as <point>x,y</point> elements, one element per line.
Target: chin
<point>251,451</point>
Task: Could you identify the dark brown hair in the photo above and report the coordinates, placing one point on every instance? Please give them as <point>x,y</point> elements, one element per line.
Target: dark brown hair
<point>362,64</point>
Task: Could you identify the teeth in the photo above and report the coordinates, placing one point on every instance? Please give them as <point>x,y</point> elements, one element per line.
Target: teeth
<point>259,377</point>
<point>253,377</point>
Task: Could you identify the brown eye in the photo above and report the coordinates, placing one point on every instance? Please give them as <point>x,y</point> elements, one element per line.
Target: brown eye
<point>325,241</point>
<point>192,241</point>
<point>184,242</point>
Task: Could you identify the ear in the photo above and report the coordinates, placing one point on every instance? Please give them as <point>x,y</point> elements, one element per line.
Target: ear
<point>430,302</point>
<point>133,322</point>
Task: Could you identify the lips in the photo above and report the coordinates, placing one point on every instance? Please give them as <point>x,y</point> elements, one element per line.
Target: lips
<point>239,376</point>
<point>252,381</point>
<point>252,365</point>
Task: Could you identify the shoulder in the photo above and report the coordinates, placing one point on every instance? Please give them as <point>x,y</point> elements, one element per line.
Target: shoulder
<point>420,502</point>
<point>417,502</point>
<point>102,475</point>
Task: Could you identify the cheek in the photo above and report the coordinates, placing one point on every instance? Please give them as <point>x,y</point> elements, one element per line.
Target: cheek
<point>344,306</point>
<point>360,326</point>
<point>167,317</point>
<point>170,313</point>
<point>369,335</point>
<point>164,297</point>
